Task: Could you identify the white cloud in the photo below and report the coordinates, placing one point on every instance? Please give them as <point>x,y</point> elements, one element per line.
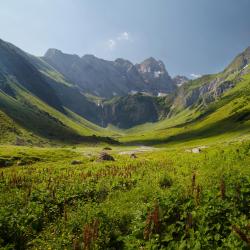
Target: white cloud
<point>111,44</point>
<point>195,75</point>
<point>122,37</point>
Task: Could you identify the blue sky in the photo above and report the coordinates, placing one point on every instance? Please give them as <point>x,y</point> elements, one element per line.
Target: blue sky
<point>190,36</point>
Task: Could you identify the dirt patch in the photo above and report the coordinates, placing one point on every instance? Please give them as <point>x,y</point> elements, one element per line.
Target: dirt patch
<point>141,149</point>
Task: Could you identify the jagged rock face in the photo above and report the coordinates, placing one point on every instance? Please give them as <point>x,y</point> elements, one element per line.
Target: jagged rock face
<point>131,110</point>
<point>156,76</point>
<point>180,80</point>
<point>129,72</point>
<point>110,78</point>
<point>209,91</point>
<point>209,88</point>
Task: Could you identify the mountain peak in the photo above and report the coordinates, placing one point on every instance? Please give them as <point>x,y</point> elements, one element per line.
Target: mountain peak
<point>155,74</point>
<point>150,60</point>
<point>239,62</point>
<point>52,52</point>
<point>89,56</point>
<point>180,80</point>
<point>123,63</point>
<point>108,78</point>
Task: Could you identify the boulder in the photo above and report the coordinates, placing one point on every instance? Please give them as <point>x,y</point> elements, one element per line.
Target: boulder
<point>196,150</point>
<point>76,162</point>
<point>133,156</point>
<point>107,148</point>
<point>106,157</point>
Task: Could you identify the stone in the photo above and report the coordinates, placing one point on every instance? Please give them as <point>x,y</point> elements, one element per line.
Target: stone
<point>107,148</point>
<point>106,157</point>
<point>133,156</point>
<point>196,150</point>
<point>76,162</point>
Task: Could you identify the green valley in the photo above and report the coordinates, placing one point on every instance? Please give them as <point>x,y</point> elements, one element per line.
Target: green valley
<point>134,169</point>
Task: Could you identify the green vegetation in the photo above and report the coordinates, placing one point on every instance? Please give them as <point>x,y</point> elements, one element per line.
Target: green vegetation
<point>167,198</point>
<point>225,118</point>
<point>56,192</point>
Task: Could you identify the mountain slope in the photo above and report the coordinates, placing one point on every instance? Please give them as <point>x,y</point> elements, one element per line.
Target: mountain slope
<point>31,103</point>
<point>208,88</point>
<point>214,106</point>
<point>16,68</point>
<point>107,78</point>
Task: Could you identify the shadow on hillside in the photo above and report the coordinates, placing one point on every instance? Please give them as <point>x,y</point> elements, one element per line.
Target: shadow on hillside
<point>42,124</point>
<point>233,123</point>
<point>212,108</point>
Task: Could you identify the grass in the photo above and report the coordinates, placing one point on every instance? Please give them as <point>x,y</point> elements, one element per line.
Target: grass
<point>167,198</point>
<point>37,123</point>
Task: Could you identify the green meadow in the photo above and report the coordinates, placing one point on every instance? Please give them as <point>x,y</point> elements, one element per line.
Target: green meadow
<point>166,198</point>
<point>63,196</point>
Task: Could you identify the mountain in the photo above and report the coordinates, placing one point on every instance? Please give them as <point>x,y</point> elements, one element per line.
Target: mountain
<point>128,111</point>
<point>180,80</point>
<point>36,105</point>
<point>156,76</point>
<point>110,78</point>
<point>208,88</point>
<point>239,63</point>
<point>54,98</point>
<point>192,101</point>
<point>15,68</point>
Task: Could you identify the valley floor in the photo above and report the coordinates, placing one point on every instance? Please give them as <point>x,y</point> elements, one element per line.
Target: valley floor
<point>165,198</point>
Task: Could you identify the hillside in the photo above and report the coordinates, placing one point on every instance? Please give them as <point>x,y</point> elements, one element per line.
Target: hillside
<point>30,101</point>
<point>224,116</point>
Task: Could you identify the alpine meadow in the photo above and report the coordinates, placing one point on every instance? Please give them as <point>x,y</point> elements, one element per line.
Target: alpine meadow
<point>102,152</point>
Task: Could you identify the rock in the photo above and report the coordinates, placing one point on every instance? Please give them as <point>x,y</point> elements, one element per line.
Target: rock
<point>76,162</point>
<point>110,78</point>
<point>20,163</point>
<point>155,75</point>
<point>133,156</point>
<point>106,157</point>
<point>196,150</point>
<point>180,80</point>
<point>107,148</point>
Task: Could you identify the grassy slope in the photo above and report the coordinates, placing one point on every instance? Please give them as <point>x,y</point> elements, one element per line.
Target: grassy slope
<point>228,117</point>
<point>37,122</point>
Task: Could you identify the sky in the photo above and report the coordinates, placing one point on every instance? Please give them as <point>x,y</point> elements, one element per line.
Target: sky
<point>192,37</point>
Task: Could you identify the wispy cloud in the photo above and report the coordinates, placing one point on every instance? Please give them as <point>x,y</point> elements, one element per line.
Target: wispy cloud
<point>195,75</point>
<point>111,44</point>
<point>122,37</point>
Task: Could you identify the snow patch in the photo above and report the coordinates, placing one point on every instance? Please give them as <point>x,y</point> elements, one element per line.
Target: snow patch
<point>146,70</point>
<point>133,92</point>
<point>245,66</point>
<point>157,74</point>
<point>161,94</point>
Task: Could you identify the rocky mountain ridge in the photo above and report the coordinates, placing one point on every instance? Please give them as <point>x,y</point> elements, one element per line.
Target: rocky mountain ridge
<point>111,78</point>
